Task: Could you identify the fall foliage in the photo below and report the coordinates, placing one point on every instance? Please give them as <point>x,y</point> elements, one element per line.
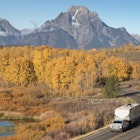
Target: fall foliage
<point>59,85</point>
<point>64,69</point>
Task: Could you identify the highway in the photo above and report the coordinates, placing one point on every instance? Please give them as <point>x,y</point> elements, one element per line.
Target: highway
<point>131,134</point>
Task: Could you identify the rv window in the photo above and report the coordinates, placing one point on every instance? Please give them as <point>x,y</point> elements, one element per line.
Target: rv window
<point>117,122</point>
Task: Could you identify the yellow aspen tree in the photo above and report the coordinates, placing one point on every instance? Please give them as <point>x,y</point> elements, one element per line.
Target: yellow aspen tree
<point>99,57</point>
<point>117,67</point>
<point>86,75</point>
<point>39,66</point>
<point>4,62</point>
<point>55,74</point>
<point>9,74</point>
<point>27,73</point>
<point>60,72</point>
<point>136,70</point>
<point>41,58</point>
<point>2,68</point>
<point>20,72</point>
<point>48,73</point>
<point>52,74</point>
<point>67,70</point>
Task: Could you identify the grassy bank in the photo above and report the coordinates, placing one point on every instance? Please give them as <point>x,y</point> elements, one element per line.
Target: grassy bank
<point>7,116</point>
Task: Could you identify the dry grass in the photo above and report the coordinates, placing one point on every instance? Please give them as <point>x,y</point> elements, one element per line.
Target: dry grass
<point>60,117</point>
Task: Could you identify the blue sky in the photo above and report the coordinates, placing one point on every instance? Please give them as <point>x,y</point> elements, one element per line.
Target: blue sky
<point>30,14</point>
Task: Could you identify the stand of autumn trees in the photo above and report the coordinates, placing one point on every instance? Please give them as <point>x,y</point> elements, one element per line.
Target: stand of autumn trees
<point>32,78</point>
<point>75,71</point>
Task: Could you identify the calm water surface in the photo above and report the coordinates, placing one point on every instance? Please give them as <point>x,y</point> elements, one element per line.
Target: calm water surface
<point>6,125</point>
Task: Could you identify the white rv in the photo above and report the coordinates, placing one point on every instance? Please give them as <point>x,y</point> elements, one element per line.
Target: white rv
<point>125,116</point>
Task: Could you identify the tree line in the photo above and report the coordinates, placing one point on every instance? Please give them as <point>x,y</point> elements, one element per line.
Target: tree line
<point>71,70</point>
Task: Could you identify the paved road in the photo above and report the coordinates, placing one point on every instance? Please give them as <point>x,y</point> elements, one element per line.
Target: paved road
<point>133,93</point>
<point>132,134</point>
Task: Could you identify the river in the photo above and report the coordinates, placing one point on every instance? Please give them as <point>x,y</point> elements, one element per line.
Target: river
<point>6,128</point>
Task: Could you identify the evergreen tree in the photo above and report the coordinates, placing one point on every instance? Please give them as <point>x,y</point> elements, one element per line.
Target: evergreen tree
<point>112,87</point>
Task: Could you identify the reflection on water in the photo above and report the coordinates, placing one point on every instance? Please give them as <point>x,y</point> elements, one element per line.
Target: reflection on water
<point>6,123</point>
<point>7,134</point>
<point>6,128</point>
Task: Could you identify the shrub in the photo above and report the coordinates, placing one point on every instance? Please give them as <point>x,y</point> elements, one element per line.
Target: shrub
<point>111,88</point>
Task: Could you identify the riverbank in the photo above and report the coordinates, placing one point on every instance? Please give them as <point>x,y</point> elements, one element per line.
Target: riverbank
<point>11,115</point>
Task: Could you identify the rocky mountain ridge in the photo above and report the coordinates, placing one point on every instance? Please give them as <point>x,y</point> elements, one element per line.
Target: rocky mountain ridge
<point>136,36</point>
<point>75,29</point>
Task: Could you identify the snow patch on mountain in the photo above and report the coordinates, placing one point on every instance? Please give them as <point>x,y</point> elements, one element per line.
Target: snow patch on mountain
<point>4,34</point>
<point>74,19</point>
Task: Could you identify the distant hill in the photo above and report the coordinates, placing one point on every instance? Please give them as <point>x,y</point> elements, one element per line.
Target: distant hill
<point>75,29</point>
<point>136,36</point>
